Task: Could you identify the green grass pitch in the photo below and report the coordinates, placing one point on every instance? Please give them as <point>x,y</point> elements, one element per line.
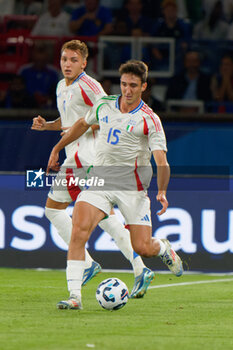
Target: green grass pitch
<point>184,317</point>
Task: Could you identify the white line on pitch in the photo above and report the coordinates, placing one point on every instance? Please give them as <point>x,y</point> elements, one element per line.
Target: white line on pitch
<point>190,283</point>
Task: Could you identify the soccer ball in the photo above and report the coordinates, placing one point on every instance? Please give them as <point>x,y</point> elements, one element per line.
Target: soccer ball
<point>112,294</point>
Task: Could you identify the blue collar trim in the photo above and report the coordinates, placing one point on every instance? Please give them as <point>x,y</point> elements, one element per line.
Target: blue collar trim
<point>80,76</point>
<point>135,110</point>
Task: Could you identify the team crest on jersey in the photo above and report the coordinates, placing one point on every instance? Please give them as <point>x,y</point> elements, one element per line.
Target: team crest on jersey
<point>131,125</point>
<point>104,119</point>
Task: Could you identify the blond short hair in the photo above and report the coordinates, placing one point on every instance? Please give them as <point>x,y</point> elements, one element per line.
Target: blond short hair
<point>76,45</point>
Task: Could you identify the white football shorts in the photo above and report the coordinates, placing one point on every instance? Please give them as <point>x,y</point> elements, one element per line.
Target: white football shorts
<point>134,205</point>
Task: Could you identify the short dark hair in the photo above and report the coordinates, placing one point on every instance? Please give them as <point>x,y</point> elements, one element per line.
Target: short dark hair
<point>135,67</point>
<point>76,45</point>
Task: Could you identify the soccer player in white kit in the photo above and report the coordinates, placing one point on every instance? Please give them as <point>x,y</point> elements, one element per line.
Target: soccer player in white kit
<point>127,128</point>
<point>76,94</point>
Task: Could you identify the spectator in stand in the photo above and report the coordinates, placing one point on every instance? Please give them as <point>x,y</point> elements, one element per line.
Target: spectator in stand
<point>212,27</point>
<point>130,22</point>
<point>40,77</point>
<point>91,20</point>
<point>28,7</point>
<point>222,85</point>
<point>17,95</point>
<point>191,84</point>
<point>172,27</point>
<point>54,22</point>
<point>134,19</point>
<point>227,8</point>
<point>152,8</point>
<point>71,5</point>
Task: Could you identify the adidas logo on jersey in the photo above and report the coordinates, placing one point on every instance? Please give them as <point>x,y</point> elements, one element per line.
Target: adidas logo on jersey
<point>145,218</point>
<point>104,119</point>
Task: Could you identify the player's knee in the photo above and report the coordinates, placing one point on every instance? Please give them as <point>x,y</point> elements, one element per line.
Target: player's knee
<point>142,249</point>
<point>144,252</point>
<point>80,234</point>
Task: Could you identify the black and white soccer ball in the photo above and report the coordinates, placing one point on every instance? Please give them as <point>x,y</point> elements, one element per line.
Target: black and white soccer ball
<point>112,294</point>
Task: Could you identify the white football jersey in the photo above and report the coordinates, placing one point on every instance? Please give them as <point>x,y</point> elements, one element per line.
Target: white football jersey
<point>73,102</point>
<point>125,139</point>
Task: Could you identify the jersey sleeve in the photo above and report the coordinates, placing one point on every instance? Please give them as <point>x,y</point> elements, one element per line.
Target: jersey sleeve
<point>156,135</point>
<point>91,90</point>
<point>92,115</point>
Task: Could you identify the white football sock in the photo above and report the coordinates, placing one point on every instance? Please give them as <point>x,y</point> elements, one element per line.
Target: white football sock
<point>74,276</point>
<point>122,238</point>
<point>88,259</point>
<point>162,247</point>
<point>63,223</point>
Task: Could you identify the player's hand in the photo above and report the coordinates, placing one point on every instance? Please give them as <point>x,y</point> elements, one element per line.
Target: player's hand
<point>39,123</point>
<point>95,127</point>
<point>163,200</point>
<point>65,129</point>
<point>53,163</point>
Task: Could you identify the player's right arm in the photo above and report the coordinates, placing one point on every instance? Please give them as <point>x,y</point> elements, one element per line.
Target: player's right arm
<point>40,124</point>
<point>77,130</point>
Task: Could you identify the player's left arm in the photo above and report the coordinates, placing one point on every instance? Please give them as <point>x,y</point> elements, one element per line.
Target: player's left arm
<point>163,177</point>
<point>158,146</point>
